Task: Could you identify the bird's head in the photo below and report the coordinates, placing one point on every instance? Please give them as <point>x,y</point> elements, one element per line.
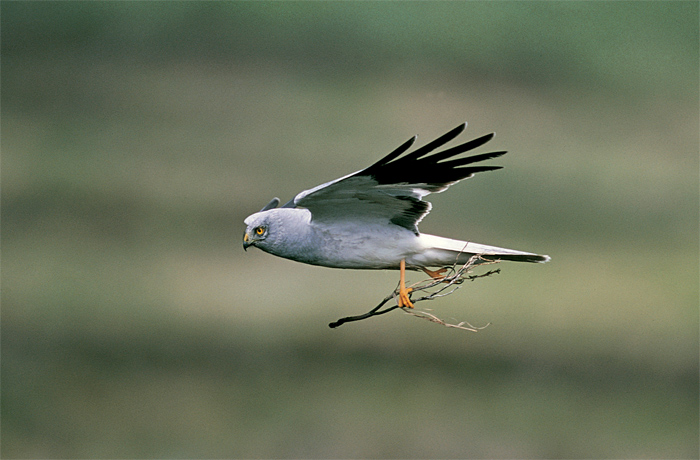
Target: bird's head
<point>283,232</point>
<point>257,230</point>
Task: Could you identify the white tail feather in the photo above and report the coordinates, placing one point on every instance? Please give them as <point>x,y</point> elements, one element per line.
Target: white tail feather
<point>440,251</point>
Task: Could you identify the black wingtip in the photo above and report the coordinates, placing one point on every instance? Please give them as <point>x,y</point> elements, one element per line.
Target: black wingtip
<point>396,153</point>
<point>440,141</point>
<point>423,167</point>
<point>453,132</point>
<point>471,170</point>
<point>474,159</point>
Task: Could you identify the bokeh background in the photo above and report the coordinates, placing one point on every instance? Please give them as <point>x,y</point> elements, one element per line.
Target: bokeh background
<point>137,136</point>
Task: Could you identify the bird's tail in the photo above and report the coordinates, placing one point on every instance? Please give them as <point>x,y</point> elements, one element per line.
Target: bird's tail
<point>445,251</point>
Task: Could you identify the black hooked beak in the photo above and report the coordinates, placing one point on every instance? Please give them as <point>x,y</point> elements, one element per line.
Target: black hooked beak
<point>246,242</point>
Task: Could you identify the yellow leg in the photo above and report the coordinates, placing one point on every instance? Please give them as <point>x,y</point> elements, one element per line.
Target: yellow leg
<point>404,301</point>
<point>437,274</point>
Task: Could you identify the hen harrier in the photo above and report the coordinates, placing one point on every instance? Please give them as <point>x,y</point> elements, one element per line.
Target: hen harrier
<point>369,219</point>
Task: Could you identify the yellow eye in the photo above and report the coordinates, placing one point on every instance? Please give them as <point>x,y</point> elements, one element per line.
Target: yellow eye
<point>259,231</point>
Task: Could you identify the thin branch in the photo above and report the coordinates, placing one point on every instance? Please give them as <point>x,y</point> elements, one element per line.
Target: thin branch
<point>433,288</point>
<point>373,312</point>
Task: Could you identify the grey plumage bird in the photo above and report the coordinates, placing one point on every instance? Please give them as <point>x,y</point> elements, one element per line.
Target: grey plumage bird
<point>369,219</point>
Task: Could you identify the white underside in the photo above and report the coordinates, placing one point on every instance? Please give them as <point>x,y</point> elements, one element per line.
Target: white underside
<point>364,243</point>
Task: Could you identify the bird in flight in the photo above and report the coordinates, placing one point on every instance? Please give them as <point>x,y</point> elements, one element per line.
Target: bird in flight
<point>369,219</point>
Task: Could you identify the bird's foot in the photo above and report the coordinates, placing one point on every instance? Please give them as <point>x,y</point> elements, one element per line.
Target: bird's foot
<point>437,274</point>
<point>404,299</point>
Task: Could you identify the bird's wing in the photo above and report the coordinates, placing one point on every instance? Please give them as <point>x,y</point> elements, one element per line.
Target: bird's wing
<point>392,189</point>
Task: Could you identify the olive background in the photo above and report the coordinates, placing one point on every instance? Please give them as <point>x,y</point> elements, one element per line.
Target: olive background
<point>137,136</point>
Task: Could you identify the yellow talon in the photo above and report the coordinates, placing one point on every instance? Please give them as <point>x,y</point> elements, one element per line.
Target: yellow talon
<point>404,300</point>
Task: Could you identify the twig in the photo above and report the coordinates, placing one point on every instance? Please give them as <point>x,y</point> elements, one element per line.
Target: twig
<point>373,312</point>
<point>434,319</point>
<point>433,289</point>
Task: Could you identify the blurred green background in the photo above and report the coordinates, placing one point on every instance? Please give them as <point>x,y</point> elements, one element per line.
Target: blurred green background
<point>137,136</point>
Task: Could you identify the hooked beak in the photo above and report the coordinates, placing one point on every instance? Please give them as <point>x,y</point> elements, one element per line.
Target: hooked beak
<point>246,242</point>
